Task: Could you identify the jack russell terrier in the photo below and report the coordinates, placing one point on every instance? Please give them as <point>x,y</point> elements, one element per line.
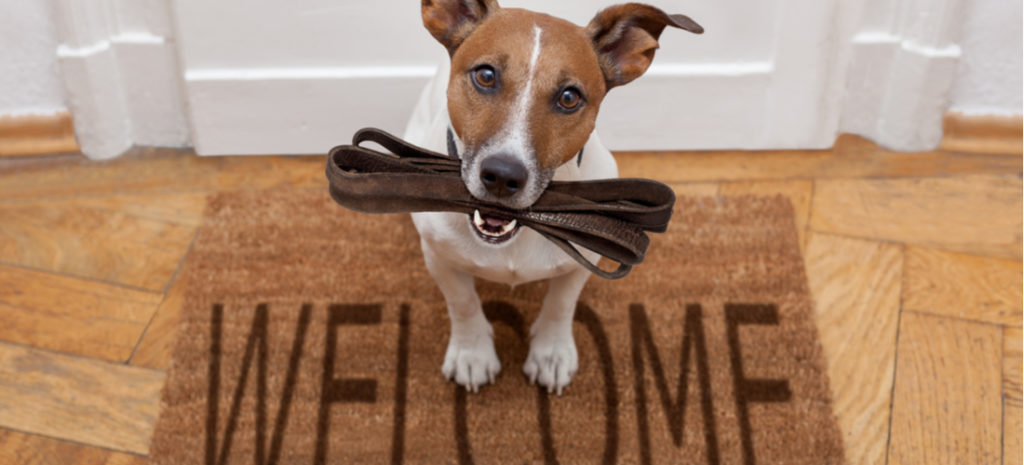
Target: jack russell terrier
<point>523,90</point>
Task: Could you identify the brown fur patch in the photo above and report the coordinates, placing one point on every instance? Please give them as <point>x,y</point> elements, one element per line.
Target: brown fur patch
<point>626,37</point>
<point>451,21</point>
<point>504,40</point>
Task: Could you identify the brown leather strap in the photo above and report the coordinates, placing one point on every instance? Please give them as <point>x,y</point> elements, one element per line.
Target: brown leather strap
<point>608,216</point>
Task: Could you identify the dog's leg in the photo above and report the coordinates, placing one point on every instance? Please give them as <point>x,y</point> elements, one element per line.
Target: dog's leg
<point>552,360</point>
<point>470,358</point>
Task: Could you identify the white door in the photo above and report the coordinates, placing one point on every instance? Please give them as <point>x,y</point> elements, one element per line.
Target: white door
<point>268,76</point>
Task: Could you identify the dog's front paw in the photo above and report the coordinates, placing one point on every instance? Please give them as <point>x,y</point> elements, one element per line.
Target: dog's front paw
<point>470,359</point>
<point>552,360</point>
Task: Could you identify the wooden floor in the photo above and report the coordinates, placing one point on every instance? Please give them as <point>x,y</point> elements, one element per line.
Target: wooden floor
<point>914,261</point>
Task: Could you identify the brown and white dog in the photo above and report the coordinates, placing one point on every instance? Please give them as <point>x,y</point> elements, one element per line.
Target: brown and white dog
<point>517,103</point>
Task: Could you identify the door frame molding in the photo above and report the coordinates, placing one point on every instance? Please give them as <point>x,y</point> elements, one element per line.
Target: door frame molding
<point>901,74</point>
<point>120,71</point>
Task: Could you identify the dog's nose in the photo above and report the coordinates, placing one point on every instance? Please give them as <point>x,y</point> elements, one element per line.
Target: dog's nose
<point>502,175</point>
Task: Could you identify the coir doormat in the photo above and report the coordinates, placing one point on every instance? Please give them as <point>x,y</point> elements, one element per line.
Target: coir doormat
<point>313,335</point>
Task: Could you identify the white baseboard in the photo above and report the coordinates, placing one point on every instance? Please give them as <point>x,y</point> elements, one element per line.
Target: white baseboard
<point>291,114</point>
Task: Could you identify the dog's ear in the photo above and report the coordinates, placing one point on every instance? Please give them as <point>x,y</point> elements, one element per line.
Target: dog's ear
<point>451,21</point>
<point>626,36</point>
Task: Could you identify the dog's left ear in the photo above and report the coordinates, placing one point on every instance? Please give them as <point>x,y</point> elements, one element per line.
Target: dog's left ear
<point>452,21</point>
<point>626,36</point>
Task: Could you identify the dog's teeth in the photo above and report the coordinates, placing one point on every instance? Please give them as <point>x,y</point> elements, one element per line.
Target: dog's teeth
<point>484,228</point>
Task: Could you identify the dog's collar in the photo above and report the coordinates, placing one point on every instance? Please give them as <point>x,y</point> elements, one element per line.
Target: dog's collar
<point>453,150</point>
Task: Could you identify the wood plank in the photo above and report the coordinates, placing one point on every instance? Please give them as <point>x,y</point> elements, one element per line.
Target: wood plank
<point>182,208</point>
<point>982,133</point>
<point>1012,353</point>
<point>72,315</point>
<point>852,157</point>
<point>27,135</point>
<point>78,399</point>
<point>1012,435</point>
<point>856,289</point>
<point>28,449</point>
<point>106,245</point>
<point>798,192</point>
<point>963,286</point>
<point>695,189</point>
<point>158,170</point>
<point>974,214</point>
<point>946,402</point>
<point>1012,400</point>
<point>154,350</point>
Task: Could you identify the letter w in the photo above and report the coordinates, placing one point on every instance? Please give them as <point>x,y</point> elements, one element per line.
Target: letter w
<point>256,344</point>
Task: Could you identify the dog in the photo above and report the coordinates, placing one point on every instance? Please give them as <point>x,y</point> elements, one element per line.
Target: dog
<point>517,103</point>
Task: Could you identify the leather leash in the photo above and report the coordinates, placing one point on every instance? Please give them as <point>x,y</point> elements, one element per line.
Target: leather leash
<point>608,216</point>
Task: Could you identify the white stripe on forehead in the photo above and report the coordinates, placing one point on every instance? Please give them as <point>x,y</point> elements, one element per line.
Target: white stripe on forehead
<point>516,137</point>
<point>524,98</point>
<point>522,109</point>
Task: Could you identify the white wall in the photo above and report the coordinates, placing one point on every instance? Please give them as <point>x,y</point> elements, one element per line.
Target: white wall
<point>129,66</point>
<point>989,78</point>
<point>29,75</point>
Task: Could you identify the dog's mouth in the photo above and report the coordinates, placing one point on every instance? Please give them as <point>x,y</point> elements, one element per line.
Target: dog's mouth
<point>492,228</point>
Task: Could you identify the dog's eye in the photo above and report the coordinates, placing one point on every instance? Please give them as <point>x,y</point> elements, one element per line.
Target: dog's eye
<point>485,77</point>
<point>569,99</point>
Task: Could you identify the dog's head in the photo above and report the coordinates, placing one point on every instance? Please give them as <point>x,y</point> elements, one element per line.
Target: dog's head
<point>525,87</point>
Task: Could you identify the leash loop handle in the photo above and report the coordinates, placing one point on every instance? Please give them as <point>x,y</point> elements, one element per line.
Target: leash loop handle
<point>610,217</point>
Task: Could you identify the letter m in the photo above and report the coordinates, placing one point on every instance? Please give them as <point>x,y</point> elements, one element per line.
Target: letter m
<point>675,409</point>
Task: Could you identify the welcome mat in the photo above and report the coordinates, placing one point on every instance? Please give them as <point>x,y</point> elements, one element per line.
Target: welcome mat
<point>314,335</point>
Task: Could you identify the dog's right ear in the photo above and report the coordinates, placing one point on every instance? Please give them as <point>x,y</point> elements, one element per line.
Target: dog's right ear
<point>626,36</point>
<point>452,21</point>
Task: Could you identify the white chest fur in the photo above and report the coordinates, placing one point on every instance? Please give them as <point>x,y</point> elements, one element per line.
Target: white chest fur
<point>526,257</point>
